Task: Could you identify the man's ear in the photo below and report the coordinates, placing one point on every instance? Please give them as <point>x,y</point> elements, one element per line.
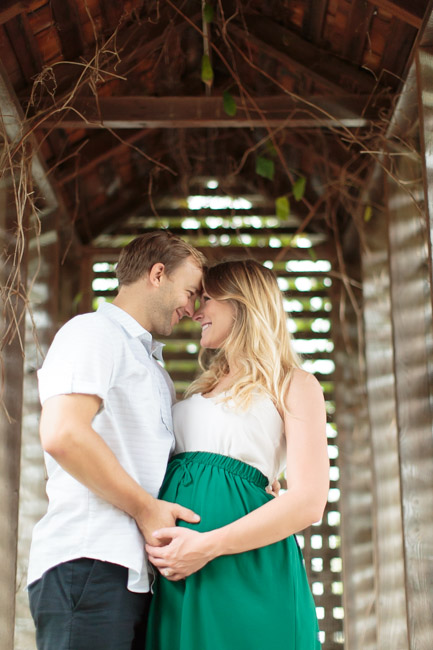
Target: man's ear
<point>156,273</point>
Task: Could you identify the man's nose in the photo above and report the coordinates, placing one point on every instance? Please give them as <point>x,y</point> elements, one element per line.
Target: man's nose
<point>189,307</point>
<point>198,314</point>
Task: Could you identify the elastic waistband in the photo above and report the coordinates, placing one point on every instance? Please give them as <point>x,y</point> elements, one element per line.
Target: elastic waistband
<point>227,463</point>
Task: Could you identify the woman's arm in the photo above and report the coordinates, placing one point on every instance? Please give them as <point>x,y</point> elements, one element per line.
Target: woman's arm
<point>301,505</point>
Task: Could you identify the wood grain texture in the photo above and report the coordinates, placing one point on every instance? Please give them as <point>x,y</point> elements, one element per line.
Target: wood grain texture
<point>10,425</point>
<point>392,629</point>
<point>44,298</point>
<point>359,596</point>
<point>424,71</point>
<point>412,331</point>
<point>199,112</point>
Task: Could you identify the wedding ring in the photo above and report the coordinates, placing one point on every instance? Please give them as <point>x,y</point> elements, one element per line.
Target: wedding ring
<point>166,572</point>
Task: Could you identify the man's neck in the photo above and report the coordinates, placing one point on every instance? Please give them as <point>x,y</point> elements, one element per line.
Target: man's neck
<point>125,301</point>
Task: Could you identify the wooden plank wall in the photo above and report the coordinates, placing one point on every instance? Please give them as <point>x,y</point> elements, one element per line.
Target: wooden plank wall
<point>356,503</point>
<point>43,280</point>
<point>411,313</point>
<point>10,424</point>
<point>398,353</point>
<point>379,357</point>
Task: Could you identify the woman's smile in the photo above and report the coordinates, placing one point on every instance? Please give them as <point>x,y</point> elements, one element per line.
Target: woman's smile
<point>216,318</point>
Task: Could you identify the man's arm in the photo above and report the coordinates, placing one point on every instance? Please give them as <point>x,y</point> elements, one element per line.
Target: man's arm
<point>67,435</point>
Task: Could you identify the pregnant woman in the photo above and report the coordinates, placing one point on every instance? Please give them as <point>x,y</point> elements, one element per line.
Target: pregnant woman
<point>236,580</point>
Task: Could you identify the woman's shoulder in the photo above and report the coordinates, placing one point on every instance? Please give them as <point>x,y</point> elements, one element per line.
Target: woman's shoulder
<point>300,376</point>
<point>303,387</point>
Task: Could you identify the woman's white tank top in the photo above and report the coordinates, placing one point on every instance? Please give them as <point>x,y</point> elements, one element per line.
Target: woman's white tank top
<point>255,436</point>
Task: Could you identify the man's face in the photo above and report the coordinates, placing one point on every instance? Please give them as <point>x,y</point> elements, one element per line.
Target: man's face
<point>176,296</point>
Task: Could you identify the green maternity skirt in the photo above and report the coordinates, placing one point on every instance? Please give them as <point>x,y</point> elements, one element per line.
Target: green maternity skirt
<point>249,601</point>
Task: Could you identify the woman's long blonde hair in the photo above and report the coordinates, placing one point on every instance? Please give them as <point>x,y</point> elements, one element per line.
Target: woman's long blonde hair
<point>259,343</point>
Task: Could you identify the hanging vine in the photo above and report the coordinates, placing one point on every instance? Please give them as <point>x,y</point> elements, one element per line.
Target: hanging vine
<point>220,52</point>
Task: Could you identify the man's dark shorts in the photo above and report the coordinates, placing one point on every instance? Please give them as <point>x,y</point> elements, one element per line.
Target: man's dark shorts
<point>84,604</point>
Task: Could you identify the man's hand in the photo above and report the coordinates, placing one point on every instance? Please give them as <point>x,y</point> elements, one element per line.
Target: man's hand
<point>162,515</point>
<point>185,552</point>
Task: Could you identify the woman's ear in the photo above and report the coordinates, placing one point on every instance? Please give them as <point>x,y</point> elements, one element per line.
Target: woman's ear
<point>156,273</point>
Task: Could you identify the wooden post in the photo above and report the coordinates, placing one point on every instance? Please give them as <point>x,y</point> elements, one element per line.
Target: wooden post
<point>13,312</point>
<point>86,275</point>
<point>355,463</point>
<point>411,311</point>
<point>391,611</point>
<point>43,276</point>
<point>424,73</point>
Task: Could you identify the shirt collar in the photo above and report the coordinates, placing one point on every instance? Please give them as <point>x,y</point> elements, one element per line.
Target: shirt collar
<point>132,327</point>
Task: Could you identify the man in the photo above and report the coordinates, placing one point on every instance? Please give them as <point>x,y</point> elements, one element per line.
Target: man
<point>106,429</point>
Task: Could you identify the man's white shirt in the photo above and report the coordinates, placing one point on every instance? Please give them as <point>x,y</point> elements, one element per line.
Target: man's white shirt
<point>109,354</point>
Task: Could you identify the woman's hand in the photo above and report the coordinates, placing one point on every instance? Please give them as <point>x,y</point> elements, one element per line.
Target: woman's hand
<point>185,552</point>
<point>274,489</point>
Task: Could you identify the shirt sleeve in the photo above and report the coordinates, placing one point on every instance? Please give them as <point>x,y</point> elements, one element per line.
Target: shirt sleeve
<point>81,359</point>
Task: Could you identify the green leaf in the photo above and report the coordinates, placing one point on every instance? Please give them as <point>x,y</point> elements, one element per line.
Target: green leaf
<point>368,213</point>
<point>312,254</point>
<point>282,207</point>
<point>298,188</point>
<point>208,13</point>
<point>206,70</point>
<point>265,167</point>
<point>229,104</point>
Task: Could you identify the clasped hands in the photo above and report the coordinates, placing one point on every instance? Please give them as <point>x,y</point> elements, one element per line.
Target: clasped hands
<point>184,551</point>
<point>178,552</point>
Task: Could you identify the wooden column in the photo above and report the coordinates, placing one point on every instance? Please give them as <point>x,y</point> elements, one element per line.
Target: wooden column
<point>390,588</point>
<point>411,312</point>
<point>356,465</point>
<point>86,276</point>
<point>43,289</point>
<point>11,383</point>
<point>424,73</point>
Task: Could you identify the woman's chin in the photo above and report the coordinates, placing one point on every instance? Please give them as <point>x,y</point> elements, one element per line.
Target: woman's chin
<point>206,343</point>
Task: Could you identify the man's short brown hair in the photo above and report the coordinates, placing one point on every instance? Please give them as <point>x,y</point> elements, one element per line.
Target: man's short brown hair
<point>161,246</point>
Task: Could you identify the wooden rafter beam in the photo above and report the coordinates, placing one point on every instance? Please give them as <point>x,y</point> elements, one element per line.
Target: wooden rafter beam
<point>65,15</point>
<point>131,44</point>
<point>100,152</point>
<point>206,231</point>
<point>206,112</point>
<point>11,8</point>
<point>314,17</point>
<point>357,28</point>
<point>322,251</point>
<point>101,147</point>
<point>114,217</point>
<point>25,46</point>
<point>408,11</point>
<point>299,212</point>
<point>300,55</point>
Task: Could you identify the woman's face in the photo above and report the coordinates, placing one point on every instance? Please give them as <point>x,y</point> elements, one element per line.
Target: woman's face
<point>216,319</point>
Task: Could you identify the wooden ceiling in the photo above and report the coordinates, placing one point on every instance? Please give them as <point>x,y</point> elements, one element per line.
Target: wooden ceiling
<point>126,123</point>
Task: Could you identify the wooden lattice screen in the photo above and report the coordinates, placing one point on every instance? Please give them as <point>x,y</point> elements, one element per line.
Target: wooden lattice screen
<point>306,283</point>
